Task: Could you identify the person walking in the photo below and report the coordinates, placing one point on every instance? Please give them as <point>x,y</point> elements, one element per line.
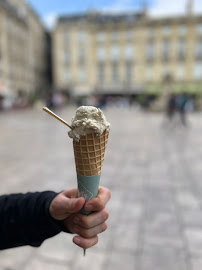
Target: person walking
<point>181,102</point>
<point>171,106</point>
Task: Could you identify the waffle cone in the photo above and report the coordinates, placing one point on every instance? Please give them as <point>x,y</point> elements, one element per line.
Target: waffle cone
<point>89,153</point>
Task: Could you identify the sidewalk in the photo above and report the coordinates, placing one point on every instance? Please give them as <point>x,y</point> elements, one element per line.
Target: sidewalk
<point>154,175</point>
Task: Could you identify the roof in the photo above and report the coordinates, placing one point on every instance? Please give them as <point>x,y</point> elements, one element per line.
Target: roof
<point>12,10</point>
<point>131,17</point>
<point>101,17</point>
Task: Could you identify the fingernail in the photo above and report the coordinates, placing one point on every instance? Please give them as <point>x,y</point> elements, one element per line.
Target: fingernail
<point>88,208</point>
<point>77,240</point>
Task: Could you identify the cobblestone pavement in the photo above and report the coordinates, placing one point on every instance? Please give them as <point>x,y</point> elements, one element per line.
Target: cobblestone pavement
<point>154,174</point>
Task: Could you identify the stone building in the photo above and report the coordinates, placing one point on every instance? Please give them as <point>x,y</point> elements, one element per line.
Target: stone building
<point>127,53</point>
<point>23,50</point>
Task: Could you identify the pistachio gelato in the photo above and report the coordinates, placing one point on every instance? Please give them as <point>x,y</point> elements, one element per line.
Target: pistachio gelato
<point>88,119</point>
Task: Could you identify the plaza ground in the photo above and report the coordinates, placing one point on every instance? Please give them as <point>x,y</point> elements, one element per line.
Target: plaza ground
<point>152,169</point>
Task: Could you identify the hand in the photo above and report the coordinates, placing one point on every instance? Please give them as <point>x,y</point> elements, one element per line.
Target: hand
<point>66,206</point>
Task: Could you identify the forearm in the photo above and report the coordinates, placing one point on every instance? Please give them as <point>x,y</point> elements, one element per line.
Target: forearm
<point>25,219</point>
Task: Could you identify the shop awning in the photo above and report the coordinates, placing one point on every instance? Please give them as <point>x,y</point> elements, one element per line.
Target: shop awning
<point>81,91</point>
<point>154,89</point>
<point>191,88</point>
<point>119,89</point>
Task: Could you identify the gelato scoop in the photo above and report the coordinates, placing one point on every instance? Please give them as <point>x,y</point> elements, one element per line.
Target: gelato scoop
<point>87,120</point>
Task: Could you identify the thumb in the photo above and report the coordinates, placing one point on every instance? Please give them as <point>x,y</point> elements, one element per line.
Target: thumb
<point>73,205</point>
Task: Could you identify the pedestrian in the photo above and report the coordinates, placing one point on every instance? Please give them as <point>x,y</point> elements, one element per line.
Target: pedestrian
<point>29,219</point>
<point>181,102</point>
<point>171,106</point>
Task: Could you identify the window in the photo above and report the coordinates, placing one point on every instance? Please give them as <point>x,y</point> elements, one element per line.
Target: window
<point>101,54</point>
<point>165,71</point>
<point>66,38</point>
<point>129,52</point>
<point>129,73</point>
<point>166,50</point>
<point>199,49</point>
<point>101,73</point>
<point>67,76</point>
<point>8,23</point>
<point>198,71</point>
<point>181,49</point>
<point>82,55</point>
<point>115,77</point>
<point>199,28</point>
<point>150,52</point>
<point>115,52</point>
<point>149,72</point>
<point>82,74</point>
<point>82,36</point>
<point>66,57</point>
<point>101,37</point>
<point>180,72</point>
<point>151,32</point>
<point>129,34</point>
<point>166,30</point>
<point>182,30</point>
<point>115,36</point>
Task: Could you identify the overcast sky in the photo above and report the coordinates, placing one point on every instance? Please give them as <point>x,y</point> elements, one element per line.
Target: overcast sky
<point>50,9</point>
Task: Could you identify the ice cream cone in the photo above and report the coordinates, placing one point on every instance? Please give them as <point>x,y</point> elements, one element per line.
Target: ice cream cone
<point>90,132</point>
<point>89,156</point>
<point>89,153</point>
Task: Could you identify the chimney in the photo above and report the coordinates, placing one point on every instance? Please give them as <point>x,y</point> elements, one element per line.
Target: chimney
<point>144,6</point>
<point>189,7</point>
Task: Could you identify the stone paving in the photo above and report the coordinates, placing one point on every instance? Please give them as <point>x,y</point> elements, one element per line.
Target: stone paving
<point>154,174</point>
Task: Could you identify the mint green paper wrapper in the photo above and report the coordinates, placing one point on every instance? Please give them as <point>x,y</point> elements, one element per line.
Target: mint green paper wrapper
<point>87,188</point>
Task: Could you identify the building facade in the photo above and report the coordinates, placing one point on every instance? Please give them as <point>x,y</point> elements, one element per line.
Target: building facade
<point>23,49</point>
<point>127,53</point>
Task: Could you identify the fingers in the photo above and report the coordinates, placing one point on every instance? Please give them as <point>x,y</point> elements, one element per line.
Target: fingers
<point>71,193</point>
<point>85,242</point>
<point>91,220</point>
<point>89,233</point>
<point>61,207</point>
<point>98,203</point>
<point>87,226</point>
<point>74,205</point>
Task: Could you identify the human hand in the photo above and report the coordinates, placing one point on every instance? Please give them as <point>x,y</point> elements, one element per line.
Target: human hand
<point>66,206</point>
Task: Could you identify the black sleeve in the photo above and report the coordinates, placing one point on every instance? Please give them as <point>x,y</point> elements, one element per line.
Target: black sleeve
<point>25,219</point>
